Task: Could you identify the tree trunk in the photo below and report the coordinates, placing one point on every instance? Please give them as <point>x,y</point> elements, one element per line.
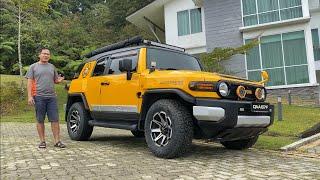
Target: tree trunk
<point>19,51</point>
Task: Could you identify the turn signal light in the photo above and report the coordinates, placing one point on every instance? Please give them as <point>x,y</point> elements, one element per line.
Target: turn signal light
<point>202,86</point>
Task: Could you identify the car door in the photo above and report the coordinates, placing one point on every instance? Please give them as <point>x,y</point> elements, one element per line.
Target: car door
<point>119,97</point>
<point>93,85</point>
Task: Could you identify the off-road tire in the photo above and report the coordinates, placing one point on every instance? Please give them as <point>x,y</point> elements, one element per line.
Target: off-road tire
<point>137,133</point>
<point>85,130</point>
<point>240,144</point>
<point>181,125</point>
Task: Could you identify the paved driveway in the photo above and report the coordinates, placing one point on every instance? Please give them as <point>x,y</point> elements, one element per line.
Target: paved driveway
<point>116,154</point>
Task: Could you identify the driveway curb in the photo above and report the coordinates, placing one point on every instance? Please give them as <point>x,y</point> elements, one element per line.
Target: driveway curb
<point>300,143</point>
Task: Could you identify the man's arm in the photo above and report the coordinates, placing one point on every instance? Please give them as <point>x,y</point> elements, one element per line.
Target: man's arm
<point>29,89</point>
<point>57,77</point>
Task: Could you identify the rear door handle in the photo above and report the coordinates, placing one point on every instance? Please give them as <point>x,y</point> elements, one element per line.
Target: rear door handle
<point>106,83</point>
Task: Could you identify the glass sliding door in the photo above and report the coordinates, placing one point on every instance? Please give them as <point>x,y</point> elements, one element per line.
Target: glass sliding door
<point>294,48</point>
<point>276,77</point>
<point>283,56</point>
<point>271,51</point>
<point>297,74</point>
<point>316,44</point>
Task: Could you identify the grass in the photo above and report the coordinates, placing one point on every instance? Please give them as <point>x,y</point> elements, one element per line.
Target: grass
<point>296,119</point>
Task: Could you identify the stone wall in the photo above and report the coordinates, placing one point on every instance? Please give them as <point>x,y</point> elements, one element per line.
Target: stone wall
<point>299,96</point>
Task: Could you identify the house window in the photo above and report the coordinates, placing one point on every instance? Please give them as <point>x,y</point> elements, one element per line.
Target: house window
<point>264,11</point>
<point>316,44</point>
<point>189,22</point>
<point>283,56</point>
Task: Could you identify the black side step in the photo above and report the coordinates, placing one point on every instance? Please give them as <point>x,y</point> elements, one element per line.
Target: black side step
<point>122,125</point>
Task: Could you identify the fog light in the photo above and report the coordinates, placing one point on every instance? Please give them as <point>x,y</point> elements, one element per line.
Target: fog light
<point>260,93</point>
<point>241,92</point>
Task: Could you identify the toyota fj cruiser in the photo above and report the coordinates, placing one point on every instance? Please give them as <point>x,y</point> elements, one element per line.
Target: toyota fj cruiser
<point>161,93</point>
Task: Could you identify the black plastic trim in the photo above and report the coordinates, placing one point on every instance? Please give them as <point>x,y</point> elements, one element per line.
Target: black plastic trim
<point>83,97</point>
<point>110,124</point>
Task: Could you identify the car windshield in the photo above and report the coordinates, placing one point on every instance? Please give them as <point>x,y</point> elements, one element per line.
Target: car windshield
<point>170,60</point>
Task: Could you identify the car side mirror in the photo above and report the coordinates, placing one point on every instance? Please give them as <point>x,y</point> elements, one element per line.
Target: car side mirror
<point>126,65</point>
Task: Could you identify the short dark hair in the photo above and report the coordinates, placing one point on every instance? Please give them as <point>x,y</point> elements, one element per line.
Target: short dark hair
<point>41,49</point>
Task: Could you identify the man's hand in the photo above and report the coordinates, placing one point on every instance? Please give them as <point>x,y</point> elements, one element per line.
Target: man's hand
<point>59,79</point>
<point>30,101</point>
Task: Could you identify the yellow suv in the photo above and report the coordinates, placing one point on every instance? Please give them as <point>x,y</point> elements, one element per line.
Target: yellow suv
<point>161,93</point>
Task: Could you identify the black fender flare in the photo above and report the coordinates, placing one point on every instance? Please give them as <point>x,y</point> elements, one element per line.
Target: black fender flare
<point>153,92</point>
<point>70,101</point>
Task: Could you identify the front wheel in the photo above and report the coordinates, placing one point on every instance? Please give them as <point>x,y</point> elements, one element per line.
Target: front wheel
<point>77,122</point>
<point>240,144</point>
<point>168,128</point>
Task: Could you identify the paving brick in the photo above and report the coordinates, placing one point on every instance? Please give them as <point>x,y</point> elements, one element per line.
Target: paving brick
<point>116,154</point>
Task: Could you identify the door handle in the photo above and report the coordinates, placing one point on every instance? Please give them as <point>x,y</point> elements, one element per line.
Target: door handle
<point>105,83</point>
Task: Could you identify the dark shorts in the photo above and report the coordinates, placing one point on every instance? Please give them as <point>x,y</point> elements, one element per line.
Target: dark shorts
<point>46,105</point>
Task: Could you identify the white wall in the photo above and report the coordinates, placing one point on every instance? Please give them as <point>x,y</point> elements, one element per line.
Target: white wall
<point>193,43</point>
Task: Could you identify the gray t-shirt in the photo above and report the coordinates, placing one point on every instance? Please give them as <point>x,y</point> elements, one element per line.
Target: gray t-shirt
<point>44,77</point>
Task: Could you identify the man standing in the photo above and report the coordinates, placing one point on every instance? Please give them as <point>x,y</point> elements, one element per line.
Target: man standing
<point>41,94</point>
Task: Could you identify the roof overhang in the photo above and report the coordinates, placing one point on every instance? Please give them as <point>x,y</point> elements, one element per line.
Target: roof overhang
<point>152,14</point>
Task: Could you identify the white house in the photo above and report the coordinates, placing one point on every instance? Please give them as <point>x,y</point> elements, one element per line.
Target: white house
<point>288,31</point>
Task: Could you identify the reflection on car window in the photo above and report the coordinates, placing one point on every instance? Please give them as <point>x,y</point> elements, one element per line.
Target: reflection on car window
<point>169,60</point>
<point>100,67</point>
<point>114,66</point>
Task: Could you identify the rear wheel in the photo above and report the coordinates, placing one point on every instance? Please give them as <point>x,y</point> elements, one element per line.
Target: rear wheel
<point>77,122</point>
<point>168,128</point>
<point>240,144</point>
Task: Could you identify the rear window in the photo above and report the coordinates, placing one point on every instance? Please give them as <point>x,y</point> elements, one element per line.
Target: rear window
<point>170,60</point>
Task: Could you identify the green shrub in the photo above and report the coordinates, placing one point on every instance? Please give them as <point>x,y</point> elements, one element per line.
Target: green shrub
<point>11,99</point>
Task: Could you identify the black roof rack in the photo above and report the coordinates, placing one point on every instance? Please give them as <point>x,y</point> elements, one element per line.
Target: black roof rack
<point>134,41</point>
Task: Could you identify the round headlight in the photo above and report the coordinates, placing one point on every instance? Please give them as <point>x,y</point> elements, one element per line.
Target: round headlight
<point>260,93</point>
<point>223,89</point>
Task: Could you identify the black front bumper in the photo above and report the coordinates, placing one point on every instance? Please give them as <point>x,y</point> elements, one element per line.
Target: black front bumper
<point>226,128</point>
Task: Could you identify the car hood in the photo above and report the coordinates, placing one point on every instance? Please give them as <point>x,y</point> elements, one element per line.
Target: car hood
<point>183,75</point>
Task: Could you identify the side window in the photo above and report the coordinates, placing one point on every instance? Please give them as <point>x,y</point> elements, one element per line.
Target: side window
<point>100,67</point>
<point>114,66</point>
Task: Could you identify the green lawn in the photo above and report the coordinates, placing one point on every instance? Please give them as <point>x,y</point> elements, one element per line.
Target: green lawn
<point>295,119</point>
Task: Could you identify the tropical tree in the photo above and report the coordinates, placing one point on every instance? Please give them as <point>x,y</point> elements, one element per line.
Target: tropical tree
<point>24,9</point>
<point>212,60</point>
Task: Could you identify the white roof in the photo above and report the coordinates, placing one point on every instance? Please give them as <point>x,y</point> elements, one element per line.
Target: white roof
<point>153,11</point>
